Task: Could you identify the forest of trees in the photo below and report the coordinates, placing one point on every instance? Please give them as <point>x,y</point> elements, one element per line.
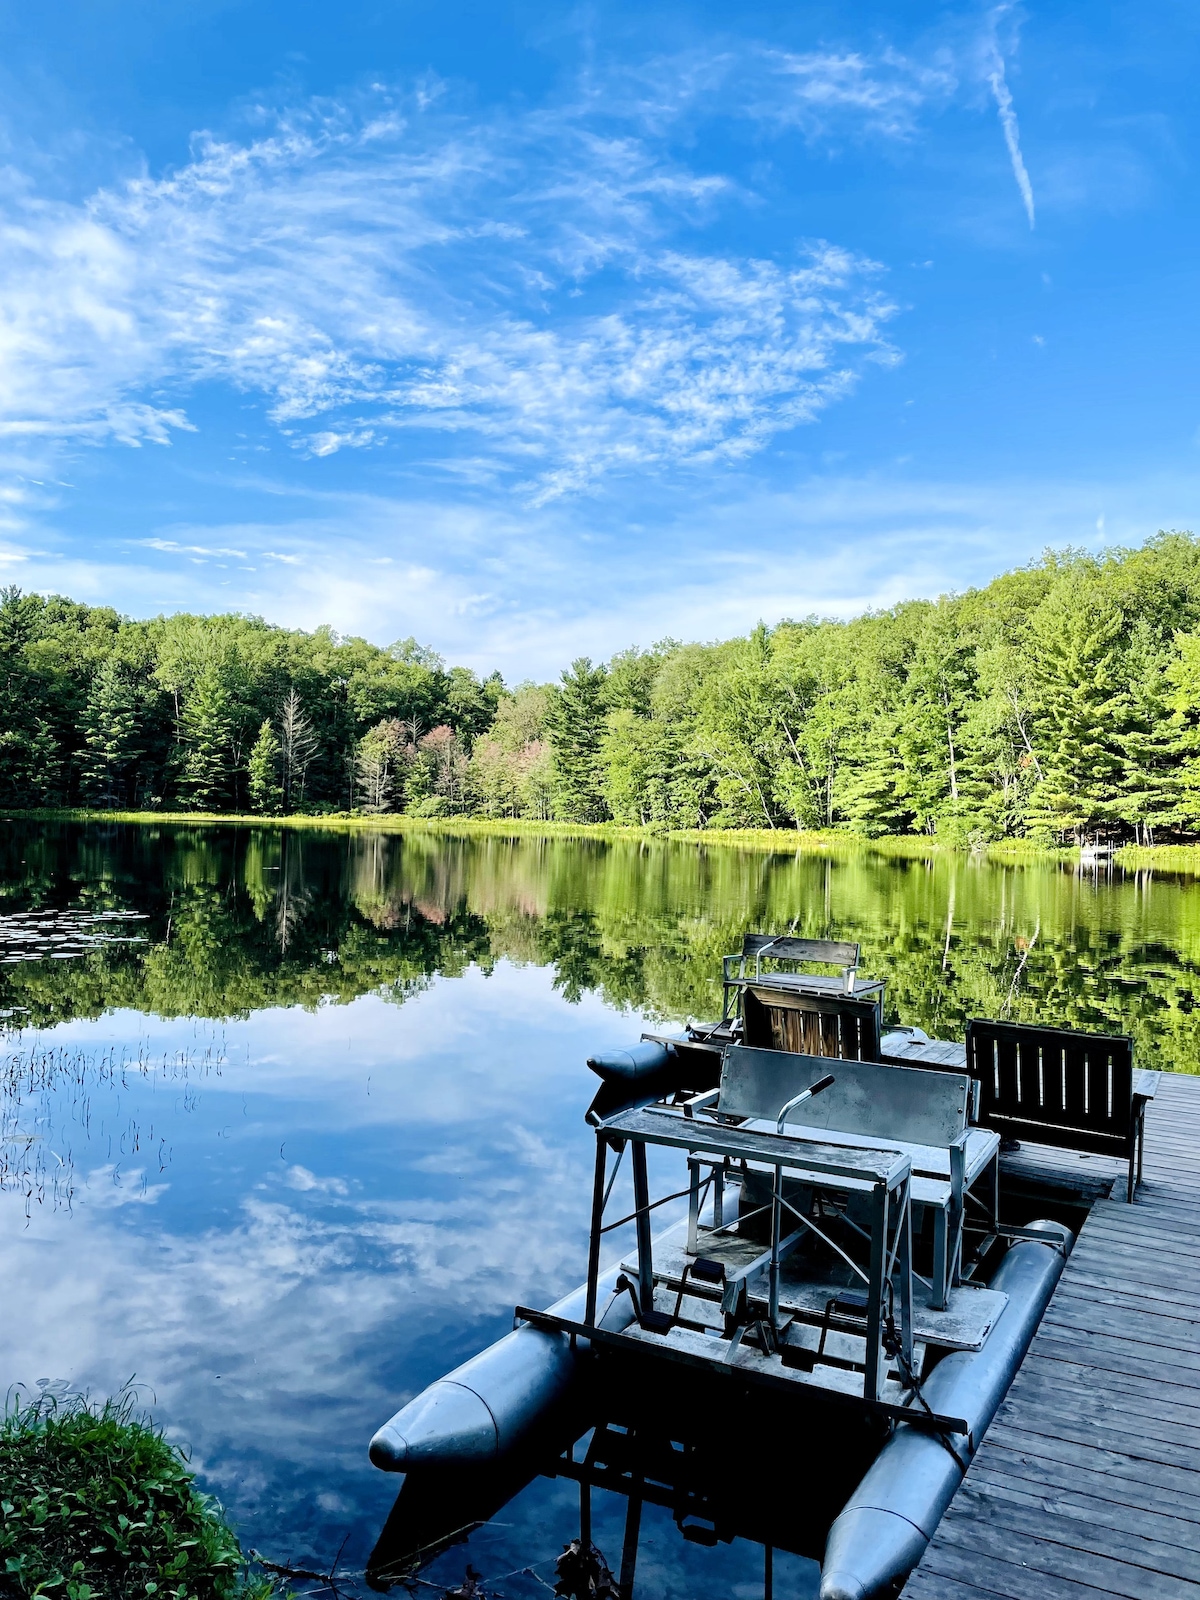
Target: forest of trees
<point>1061,701</point>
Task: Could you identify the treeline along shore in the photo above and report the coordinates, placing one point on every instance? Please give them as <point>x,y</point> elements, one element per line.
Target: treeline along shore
<point>1059,703</point>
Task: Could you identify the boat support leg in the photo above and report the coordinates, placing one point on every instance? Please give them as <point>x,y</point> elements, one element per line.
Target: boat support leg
<point>641,1203</point>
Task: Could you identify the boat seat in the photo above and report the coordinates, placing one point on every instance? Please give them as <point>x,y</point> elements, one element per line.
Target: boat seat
<point>800,1012</point>
<point>804,1022</point>
<point>925,1115</point>
<point>928,1161</point>
<point>1061,1087</point>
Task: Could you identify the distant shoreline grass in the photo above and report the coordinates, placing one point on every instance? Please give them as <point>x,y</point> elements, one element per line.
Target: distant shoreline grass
<point>1180,858</point>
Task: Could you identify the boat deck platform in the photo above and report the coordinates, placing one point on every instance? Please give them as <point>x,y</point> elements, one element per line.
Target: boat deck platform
<point>1087,1484</point>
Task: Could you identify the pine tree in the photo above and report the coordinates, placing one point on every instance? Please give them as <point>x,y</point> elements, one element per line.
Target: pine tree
<point>266,790</point>
<point>29,757</point>
<point>112,744</point>
<point>873,786</point>
<point>1085,710</point>
<point>204,730</point>
<point>939,690</point>
<point>575,721</point>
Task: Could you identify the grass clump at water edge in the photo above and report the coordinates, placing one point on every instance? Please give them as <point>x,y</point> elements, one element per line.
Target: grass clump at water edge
<point>96,1505</point>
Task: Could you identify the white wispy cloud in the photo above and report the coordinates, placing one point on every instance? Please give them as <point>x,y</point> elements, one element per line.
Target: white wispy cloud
<point>884,93</point>
<point>373,267</point>
<point>171,547</point>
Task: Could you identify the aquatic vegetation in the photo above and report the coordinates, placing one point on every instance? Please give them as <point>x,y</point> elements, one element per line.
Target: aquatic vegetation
<point>47,1098</point>
<point>96,1505</point>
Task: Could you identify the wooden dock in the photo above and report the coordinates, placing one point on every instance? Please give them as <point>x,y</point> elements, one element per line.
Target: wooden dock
<point>1088,1482</point>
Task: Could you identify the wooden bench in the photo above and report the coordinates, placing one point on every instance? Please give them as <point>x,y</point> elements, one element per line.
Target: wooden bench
<point>1060,1087</point>
<point>923,1114</point>
<point>800,1012</point>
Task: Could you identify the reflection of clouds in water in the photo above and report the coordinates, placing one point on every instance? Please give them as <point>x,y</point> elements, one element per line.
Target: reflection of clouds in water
<point>276,1347</point>
<point>111,1186</point>
<point>56,1097</point>
<point>301,1178</point>
<point>469,1046</point>
<point>436,1173</point>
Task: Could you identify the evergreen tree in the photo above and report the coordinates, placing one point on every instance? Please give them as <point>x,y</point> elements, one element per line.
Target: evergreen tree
<point>1085,710</point>
<point>112,745</point>
<point>1148,795</point>
<point>266,790</point>
<point>30,759</point>
<point>575,722</point>
<point>939,690</point>
<point>204,731</point>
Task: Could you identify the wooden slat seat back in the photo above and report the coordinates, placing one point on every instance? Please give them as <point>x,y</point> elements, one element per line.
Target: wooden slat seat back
<point>811,1024</point>
<point>904,1105</point>
<point>1053,1085</point>
<point>828,952</point>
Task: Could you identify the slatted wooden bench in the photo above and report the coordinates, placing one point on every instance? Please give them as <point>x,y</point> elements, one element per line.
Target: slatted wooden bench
<point>1059,1087</point>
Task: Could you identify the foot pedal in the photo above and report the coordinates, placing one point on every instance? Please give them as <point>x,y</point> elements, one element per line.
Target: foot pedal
<point>657,1321</point>
<point>850,1303</point>
<point>797,1358</point>
<point>706,1270</point>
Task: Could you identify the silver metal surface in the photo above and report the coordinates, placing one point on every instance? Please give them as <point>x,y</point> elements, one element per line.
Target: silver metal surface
<point>887,1522</point>
<point>663,1125</point>
<point>904,1105</point>
<point>483,1408</point>
<point>629,1065</point>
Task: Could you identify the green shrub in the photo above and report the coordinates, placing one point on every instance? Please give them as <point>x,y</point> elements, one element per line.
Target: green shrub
<point>94,1503</point>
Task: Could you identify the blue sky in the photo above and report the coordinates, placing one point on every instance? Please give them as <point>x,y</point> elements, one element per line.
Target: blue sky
<point>534,330</point>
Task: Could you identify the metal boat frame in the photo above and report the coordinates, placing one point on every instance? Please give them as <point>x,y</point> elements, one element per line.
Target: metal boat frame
<point>746,1331</point>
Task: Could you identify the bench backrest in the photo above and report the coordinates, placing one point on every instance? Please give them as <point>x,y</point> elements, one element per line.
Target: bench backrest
<point>1053,1084</point>
<point>905,1104</point>
<point>830,952</point>
<point>811,1024</point>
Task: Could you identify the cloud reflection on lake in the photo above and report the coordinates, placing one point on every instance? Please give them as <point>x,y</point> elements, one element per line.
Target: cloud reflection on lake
<point>352,1204</point>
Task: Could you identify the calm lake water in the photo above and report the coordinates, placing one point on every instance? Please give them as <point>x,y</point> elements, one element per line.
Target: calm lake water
<point>292,1120</point>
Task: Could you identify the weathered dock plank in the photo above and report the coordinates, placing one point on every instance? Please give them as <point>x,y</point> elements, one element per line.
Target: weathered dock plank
<point>1088,1482</point>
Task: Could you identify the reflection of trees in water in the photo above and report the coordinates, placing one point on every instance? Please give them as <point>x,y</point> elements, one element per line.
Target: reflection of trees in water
<point>242,918</point>
<point>53,1098</point>
<point>292,898</point>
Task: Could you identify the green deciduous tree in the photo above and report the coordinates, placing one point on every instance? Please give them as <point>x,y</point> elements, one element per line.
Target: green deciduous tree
<point>379,765</point>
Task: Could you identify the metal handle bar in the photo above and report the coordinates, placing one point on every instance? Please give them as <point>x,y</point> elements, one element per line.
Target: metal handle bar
<point>805,1094</point>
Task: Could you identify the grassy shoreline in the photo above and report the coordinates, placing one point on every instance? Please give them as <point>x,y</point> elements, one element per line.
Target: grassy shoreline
<point>95,1504</point>
<point>1183,858</point>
